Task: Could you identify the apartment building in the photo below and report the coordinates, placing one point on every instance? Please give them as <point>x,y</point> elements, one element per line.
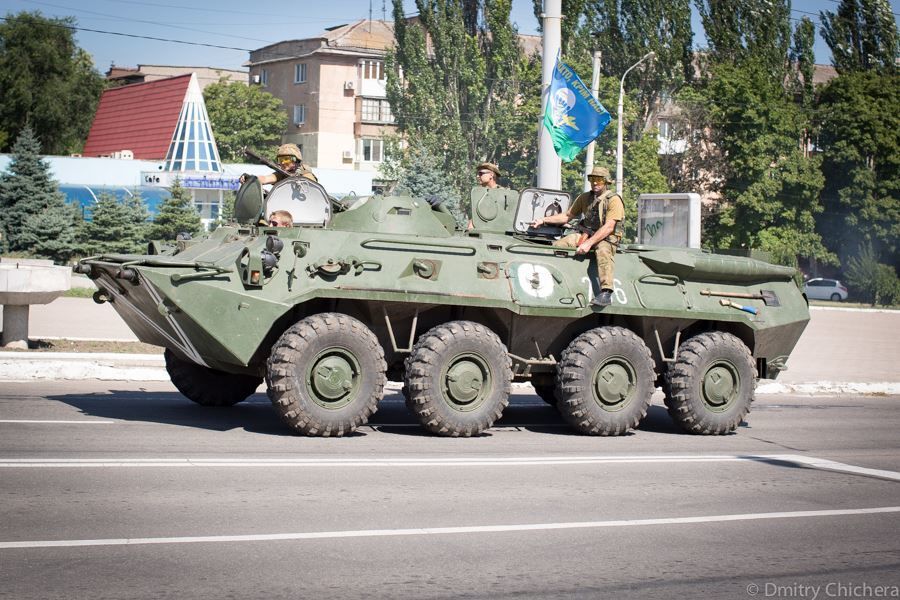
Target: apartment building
<point>333,89</point>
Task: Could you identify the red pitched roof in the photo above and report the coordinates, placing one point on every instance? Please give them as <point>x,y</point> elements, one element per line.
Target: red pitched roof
<point>140,117</point>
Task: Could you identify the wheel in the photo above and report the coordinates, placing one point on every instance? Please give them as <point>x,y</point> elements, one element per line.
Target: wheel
<point>835,297</point>
<point>208,387</point>
<point>459,378</point>
<point>606,379</point>
<point>711,384</point>
<point>326,375</point>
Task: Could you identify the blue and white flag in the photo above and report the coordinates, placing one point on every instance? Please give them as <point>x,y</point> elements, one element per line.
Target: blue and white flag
<point>574,117</point>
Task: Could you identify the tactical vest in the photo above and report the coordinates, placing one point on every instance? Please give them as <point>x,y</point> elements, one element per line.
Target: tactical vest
<point>595,215</point>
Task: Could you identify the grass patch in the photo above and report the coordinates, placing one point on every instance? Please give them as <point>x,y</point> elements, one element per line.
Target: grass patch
<point>79,292</point>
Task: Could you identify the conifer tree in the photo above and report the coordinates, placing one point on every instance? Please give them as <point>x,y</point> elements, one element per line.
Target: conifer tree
<point>54,232</point>
<point>115,227</point>
<point>176,215</point>
<point>26,189</point>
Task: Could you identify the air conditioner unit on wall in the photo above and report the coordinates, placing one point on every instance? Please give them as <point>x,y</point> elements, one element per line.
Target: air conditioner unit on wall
<point>349,85</point>
<point>347,154</point>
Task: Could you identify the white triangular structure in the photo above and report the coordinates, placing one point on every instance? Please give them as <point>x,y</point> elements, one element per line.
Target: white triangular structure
<point>193,147</point>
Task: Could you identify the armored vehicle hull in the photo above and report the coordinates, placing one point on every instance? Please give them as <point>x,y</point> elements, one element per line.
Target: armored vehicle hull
<point>327,310</point>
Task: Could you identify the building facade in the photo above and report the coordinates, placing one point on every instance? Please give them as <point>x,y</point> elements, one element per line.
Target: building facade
<point>333,89</point>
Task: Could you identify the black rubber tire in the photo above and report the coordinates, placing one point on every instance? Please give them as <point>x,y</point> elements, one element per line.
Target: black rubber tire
<point>697,408</point>
<point>622,359</point>
<point>315,340</point>
<point>466,348</point>
<point>835,297</point>
<point>208,387</point>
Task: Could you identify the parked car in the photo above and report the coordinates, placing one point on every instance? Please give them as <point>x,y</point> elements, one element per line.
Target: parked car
<point>825,289</point>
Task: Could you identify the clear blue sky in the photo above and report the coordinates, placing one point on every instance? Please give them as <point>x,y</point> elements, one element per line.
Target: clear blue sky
<point>248,25</point>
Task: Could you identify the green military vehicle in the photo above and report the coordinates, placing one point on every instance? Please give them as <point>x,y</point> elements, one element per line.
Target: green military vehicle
<point>387,287</point>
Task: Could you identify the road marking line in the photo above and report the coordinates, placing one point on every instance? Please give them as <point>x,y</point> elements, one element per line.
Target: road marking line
<point>81,422</point>
<point>811,462</point>
<point>320,535</point>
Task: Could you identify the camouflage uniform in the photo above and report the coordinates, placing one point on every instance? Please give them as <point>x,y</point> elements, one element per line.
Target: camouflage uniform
<point>596,211</point>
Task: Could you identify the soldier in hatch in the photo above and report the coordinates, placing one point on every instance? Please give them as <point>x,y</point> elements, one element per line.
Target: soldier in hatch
<point>602,213</point>
<point>290,159</point>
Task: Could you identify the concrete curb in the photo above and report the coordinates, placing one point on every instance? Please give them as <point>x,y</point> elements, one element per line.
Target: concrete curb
<point>30,366</point>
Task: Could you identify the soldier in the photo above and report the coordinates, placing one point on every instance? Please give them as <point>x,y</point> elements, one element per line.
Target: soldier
<point>281,218</point>
<point>290,159</point>
<point>486,175</point>
<point>602,213</point>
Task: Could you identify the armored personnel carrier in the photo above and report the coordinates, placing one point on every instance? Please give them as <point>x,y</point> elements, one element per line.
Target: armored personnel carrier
<point>325,311</point>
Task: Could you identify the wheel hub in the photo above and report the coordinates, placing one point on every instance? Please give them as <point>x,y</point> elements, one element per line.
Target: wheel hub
<point>332,379</point>
<point>614,384</point>
<point>465,380</point>
<point>720,386</point>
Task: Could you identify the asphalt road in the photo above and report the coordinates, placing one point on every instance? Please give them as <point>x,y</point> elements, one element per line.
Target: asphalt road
<point>130,491</point>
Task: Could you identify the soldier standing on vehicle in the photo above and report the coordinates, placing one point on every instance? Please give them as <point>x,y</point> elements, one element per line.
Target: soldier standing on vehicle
<point>290,159</point>
<point>602,212</point>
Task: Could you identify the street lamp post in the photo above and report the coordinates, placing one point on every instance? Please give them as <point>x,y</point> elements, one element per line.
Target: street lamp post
<point>619,118</point>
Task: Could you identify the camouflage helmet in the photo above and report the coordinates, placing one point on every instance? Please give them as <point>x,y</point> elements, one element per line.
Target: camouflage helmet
<point>601,172</point>
<point>290,150</point>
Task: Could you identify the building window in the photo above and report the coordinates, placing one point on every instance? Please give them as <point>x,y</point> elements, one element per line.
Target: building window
<point>371,69</point>
<point>263,77</point>
<point>371,150</point>
<point>378,111</point>
<point>300,73</point>
<point>665,129</point>
<point>299,114</point>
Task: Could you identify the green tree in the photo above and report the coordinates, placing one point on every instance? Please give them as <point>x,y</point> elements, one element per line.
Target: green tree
<point>467,95</point>
<point>862,35</point>
<point>757,30</point>
<point>54,231</point>
<point>870,280</point>
<point>419,175</point>
<point>626,30</point>
<point>859,137</point>
<point>26,189</point>
<point>48,82</point>
<point>770,188</point>
<point>116,227</point>
<point>243,116</point>
<point>177,214</point>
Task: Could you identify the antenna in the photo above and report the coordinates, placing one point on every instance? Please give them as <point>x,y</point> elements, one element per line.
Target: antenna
<point>383,10</point>
<point>370,16</point>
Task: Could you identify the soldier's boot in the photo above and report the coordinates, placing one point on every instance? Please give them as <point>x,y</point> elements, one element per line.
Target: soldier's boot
<point>604,298</point>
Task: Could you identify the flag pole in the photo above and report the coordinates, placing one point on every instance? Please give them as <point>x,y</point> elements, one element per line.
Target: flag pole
<point>548,162</point>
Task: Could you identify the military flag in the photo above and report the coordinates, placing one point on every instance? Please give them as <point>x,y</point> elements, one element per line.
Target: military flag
<point>574,117</point>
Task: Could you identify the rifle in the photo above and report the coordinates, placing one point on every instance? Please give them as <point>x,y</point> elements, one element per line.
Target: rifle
<point>584,232</point>
<point>266,161</point>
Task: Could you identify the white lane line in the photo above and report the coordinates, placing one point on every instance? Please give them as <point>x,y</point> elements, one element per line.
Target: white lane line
<point>55,422</point>
<point>359,462</point>
<point>325,535</point>
<point>811,462</point>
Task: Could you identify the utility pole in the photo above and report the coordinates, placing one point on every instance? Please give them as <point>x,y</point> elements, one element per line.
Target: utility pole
<point>595,89</point>
<point>548,162</point>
